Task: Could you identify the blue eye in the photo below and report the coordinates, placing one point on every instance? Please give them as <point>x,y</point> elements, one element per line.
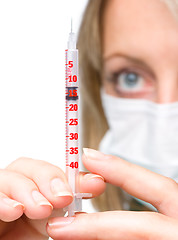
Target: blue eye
<point>130,81</point>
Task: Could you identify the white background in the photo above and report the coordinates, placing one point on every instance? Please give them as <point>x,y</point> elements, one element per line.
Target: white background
<point>33,38</point>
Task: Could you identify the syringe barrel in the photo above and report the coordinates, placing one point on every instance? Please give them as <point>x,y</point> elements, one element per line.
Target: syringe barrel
<point>72,122</point>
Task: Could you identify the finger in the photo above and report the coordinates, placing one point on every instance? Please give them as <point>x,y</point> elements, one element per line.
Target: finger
<point>23,190</point>
<point>52,181</point>
<point>114,225</point>
<point>91,183</point>
<point>158,190</point>
<point>10,210</point>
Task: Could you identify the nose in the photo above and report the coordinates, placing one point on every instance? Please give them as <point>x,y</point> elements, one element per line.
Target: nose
<point>167,90</point>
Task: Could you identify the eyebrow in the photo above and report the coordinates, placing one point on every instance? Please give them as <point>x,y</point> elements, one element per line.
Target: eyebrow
<point>131,59</point>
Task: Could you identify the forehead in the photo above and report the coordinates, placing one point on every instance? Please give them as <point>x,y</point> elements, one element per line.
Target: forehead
<point>138,23</point>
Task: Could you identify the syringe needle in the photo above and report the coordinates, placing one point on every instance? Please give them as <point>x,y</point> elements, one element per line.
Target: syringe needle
<point>71,25</point>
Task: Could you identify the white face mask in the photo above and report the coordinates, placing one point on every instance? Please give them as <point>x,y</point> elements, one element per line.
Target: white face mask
<point>143,133</point>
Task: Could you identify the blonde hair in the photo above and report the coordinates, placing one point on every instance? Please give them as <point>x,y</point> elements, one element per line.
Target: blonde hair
<point>94,123</point>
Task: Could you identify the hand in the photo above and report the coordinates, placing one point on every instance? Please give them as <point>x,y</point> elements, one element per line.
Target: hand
<point>160,191</point>
<point>31,191</point>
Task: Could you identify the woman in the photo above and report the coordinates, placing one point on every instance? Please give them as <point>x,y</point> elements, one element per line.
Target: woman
<point>124,44</point>
<point>128,54</point>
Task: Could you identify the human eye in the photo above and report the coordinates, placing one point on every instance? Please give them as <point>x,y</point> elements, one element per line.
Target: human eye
<point>131,84</point>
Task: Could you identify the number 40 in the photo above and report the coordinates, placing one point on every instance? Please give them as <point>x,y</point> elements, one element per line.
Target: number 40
<point>74,164</point>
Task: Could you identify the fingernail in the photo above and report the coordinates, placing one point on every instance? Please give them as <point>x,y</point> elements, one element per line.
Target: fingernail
<point>93,154</point>
<point>60,222</point>
<point>89,176</point>
<point>59,188</point>
<point>13,203</point>
<point>40,199</point>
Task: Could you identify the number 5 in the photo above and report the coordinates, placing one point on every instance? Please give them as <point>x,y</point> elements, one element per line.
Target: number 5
<point>70,64</point>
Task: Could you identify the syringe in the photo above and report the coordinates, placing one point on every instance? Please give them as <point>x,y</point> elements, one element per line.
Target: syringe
<point>72,123</point>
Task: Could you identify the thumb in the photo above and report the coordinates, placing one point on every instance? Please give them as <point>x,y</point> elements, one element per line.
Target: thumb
<point>136,180</point>
<point>113,225</point>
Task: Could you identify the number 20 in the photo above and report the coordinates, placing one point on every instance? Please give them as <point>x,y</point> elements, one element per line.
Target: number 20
<point>73,107</point>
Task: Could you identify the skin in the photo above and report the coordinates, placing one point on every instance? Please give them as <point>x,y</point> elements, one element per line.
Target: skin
<point>24,217</point>
<point>144,42</point>
<point>124,225</point>
<point>139,36</point>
